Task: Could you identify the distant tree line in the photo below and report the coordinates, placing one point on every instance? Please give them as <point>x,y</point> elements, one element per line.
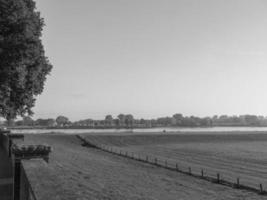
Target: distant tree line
<point>128,121</point>
<point>242,120</point>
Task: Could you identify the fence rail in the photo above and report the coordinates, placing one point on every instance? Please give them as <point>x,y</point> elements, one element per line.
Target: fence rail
<point>215,177</point>
<point>26,191</point>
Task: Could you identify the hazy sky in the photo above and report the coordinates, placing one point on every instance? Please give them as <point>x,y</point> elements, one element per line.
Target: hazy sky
<point>154,57</point>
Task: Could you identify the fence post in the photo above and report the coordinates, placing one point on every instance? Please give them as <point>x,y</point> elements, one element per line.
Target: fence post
<point>189,170</point>
<point>202,173</point>
<point>237,182</point>
<point>126,154</point>
<point>218,177</point>
<point>17,177</point>
<point>261,190</point>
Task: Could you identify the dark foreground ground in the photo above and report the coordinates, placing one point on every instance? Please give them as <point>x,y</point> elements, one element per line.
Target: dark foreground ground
<point>5,176</point>
<point>76,172</point>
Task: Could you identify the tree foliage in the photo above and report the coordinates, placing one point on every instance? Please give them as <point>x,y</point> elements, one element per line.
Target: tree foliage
<point>128,121</point>
<point>62,120</point>
<point>23,65</point>
<point>45,122</point>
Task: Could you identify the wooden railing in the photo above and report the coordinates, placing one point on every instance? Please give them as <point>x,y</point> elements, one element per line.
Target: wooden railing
<point>26,191</point>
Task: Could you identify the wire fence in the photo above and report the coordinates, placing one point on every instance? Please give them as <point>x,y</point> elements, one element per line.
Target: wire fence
<point>201,173</point>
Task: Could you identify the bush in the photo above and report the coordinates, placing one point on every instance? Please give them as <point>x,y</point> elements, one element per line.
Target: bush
<point>31,150</point>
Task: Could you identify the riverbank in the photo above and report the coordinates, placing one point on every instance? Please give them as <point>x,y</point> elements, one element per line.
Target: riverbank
<point>213,130</point>
<point>130,128</point>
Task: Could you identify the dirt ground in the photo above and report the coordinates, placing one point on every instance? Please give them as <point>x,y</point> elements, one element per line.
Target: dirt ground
<point>78,173</point>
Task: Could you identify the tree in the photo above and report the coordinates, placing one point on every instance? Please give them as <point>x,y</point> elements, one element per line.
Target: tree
<point>62,120</point>
<point>28,121</point>
<point>121,118</point>
<point>109,120</point>
<point>178,119</point>
<point>45,122</point>
<point>117,122</point>
<point>142,121</point>
<point>164,121</point>
<point>23,65</point>
<point>251,120</point>
<point>129,120</point>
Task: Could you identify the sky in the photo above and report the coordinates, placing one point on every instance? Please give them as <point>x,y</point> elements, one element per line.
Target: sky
<point>154,58</point>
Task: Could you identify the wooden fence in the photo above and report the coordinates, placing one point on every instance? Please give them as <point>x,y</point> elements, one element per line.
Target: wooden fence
<point>25,191</point>
<point>5,142</point>
<point>22,189</point>
<point>188,170</point>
